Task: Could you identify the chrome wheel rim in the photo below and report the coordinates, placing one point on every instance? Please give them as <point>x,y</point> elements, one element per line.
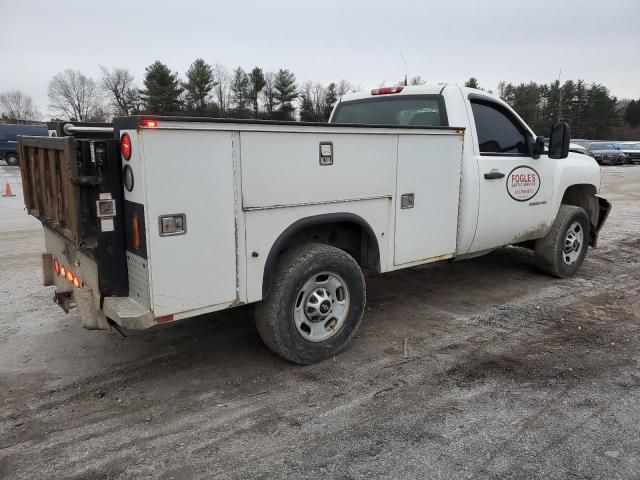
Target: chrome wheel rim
<point>573,242</point>
<point>321,307</point>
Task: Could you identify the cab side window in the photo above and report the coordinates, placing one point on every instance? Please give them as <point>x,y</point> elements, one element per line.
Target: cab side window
<point>499,132</point>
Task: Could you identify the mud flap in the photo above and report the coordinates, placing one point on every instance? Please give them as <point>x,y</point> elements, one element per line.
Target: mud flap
<point>90,316</point>
<point>604,210</point>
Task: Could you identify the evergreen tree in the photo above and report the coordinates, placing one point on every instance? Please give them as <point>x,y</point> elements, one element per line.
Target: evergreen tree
<point>472,83</point>
<point>307,113</point>
<point>285,92</point>
<point>330,99</point>
<point>162,91</point>
<point>578,105</point>
<point>632,113</point>
<point>199,85</point>
<point>602,112</point>
<point>256,85</point>
<point>240,90</point>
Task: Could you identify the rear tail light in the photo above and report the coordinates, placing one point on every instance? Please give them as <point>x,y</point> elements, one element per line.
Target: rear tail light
<point>387,90</point>
<point>125,146</point>
<point>67,274</point>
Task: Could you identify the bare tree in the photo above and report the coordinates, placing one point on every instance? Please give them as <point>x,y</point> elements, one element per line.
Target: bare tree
<point>118,85</point>
<point>18,107</point>
<point>417,80</point>
<point>222,89</point>
<point>345,87</point>
<point>318,93</point>
<point>268,94</point>
<point>74,95</point>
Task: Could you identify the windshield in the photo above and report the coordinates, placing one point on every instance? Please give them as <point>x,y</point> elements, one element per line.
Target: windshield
<point>632,146</point>
<point>602,146</point>
<point>407,110</point>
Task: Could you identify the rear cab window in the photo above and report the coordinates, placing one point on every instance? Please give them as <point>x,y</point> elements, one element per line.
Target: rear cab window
<point>404,110</point>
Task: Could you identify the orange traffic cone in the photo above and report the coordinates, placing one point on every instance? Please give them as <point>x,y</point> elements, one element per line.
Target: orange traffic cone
<point>7,190</point>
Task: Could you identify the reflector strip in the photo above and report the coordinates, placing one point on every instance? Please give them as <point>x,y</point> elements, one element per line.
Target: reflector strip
<point>164,319</point>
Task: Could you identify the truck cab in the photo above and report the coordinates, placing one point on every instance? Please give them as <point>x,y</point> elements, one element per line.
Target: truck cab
<point>510,189</point>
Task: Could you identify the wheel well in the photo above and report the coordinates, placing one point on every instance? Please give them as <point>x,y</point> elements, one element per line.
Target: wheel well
<point>346,231</point>
<point>583,196</point>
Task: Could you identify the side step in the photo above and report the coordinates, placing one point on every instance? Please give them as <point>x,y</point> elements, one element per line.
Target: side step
<point>128,313</point>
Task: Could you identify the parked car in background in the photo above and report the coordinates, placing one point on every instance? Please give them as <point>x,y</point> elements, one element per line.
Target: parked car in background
<point>9,139</point>
<point>580,141</point>
<point>632,151</point>
<point>606,153</point>
<point>578,148</point>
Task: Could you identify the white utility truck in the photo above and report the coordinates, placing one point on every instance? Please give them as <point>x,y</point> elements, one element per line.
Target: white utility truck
<point>150,220</point>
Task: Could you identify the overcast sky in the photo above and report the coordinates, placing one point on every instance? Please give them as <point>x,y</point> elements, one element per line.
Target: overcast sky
<point>327,40</point>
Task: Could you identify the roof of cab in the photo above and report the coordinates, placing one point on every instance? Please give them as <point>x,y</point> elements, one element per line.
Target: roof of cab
<point>406,90</point>
<point>427,89</point>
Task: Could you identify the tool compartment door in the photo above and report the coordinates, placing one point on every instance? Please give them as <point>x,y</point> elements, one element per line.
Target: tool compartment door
<point>429,169</point>
<point>190,172</point>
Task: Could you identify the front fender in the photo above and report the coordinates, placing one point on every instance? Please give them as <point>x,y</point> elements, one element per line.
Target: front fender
<point>576,169</point>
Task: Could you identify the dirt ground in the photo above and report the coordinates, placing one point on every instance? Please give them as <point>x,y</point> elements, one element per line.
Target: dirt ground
<point>509,374</point>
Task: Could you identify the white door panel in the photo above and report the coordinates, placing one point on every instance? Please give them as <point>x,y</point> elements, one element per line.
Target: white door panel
<point>191,172</point>
<point>429,168</point>
<point>515,207</point>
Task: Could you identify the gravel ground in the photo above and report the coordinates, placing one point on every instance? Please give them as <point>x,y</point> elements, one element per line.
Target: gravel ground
<point>506,373</point>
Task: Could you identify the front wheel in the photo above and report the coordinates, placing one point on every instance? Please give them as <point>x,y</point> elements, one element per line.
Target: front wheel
<point>315,305</point>
<point>562,251</point>
<point>11,159</point>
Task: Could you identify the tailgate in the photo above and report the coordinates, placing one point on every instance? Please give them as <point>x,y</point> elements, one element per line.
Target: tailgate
<point>50,185</point>
<point>73,186</point>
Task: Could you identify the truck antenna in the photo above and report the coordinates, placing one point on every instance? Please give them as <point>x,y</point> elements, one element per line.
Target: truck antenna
<point>405,69</point>
<point>559,95</point>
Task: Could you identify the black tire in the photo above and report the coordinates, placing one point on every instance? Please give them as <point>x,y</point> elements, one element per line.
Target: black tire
<point>275,314</point>
<point>11,159</point>
<point>550,250</point>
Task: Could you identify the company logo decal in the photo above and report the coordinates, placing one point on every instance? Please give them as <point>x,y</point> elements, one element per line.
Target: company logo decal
<point>523,183</point>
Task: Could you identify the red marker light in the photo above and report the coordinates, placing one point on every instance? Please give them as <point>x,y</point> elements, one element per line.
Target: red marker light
<point>125,146</point>
<point>387,90</point>
<point>148,123</point>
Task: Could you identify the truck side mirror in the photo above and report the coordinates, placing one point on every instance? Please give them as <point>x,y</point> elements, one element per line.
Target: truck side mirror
<point>537,148</point>
<point>559,141</point>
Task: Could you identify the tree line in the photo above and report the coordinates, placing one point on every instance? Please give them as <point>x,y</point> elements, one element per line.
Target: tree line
<point>214,91</point>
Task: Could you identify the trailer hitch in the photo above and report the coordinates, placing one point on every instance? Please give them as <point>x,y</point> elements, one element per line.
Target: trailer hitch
<point>64,299</point>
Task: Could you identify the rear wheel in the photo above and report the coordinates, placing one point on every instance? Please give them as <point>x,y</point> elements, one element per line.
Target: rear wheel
<point>562,251</point>
<point>11,159</point>
<point>315,305</point>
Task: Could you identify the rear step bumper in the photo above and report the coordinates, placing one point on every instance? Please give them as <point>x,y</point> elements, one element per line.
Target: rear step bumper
<point>128,313</point>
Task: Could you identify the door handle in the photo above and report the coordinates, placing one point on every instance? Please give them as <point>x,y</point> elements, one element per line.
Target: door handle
<point>493,174</point>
